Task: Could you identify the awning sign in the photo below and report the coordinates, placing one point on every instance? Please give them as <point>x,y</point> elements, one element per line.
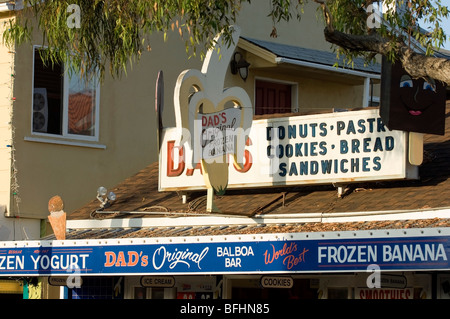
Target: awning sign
<point>276,282</point>
<point>393,281</point>
<point>314,149</point>
<point>158,281</point>
<point>240,256</point>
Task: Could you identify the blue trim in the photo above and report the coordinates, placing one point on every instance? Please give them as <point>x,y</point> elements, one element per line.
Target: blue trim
<point>275,256</point>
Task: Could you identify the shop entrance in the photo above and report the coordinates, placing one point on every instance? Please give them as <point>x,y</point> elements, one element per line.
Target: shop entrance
<point>405,285</point>
<point>184,287</point>
<point>252,289</point>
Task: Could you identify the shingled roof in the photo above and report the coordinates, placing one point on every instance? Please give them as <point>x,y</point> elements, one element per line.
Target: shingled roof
<point>138,196</point>
<point>327,58</point>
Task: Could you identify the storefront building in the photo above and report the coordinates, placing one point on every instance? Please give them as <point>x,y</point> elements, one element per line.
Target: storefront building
<point>382,239</point>
<point>331,205</point>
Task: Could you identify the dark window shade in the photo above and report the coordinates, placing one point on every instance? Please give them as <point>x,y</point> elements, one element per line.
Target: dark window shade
<point>51,78</point>
<point>271,97</point>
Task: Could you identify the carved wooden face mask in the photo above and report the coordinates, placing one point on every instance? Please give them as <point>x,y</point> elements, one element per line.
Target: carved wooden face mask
<point>413,105</point>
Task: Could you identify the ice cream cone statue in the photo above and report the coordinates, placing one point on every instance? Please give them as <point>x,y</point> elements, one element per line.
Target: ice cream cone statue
<point>57,217</point>
<point>213,122</point>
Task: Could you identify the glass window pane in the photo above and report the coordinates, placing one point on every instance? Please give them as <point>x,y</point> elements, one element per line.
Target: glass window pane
<point>81,108</point>
<point>47,96</point>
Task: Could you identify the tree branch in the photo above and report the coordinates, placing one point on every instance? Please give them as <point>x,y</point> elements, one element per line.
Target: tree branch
<point>326,14</point>
<point>417,65</point>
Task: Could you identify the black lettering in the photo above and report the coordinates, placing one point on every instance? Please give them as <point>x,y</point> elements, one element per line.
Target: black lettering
<point>282,168</point>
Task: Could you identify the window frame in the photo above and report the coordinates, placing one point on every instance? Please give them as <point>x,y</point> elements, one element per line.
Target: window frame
<point>65,108</point>
<point>294,92</point>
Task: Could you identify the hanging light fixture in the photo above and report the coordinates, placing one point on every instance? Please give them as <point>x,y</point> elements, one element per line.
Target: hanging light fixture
<point>238,64</point>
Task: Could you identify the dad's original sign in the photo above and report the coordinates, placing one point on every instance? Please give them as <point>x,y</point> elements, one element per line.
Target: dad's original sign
<point>231,255</point>
<point>338,147</point>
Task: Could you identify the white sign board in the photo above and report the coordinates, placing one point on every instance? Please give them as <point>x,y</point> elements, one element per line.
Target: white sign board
<point>326,148</point>
<point>223,124</point>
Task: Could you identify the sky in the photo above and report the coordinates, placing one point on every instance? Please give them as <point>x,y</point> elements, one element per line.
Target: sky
<point>446,27</point>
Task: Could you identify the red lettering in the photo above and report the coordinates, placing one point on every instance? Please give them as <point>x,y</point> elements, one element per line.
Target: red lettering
<point>133,258</point>
<point>291,261</point>
<point>190,171</point>
<point>121,260</point>
<point>110,258</point>
<point>384,294</point>
<point>277,253</point>
<point>144,261</point>
<point>267,259</point>
<point>214,120</point>
<point>171,171</point>
<point>248,159</point>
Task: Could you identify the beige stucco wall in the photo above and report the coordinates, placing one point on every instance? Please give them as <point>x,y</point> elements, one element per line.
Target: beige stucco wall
<point>10,228</point>
<point>6,104</point>
<point>127,123</point>
<point>127,130</point>
<point>308,32</point>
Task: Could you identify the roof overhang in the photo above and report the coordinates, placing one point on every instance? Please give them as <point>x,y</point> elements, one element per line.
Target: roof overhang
<point>339,70</point>
<point>172,219</point>
<point>263,50</point>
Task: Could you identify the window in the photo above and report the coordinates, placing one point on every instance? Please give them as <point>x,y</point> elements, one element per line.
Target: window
<point>63,105</point>
<point>272,97</point>
<point>135,290</point>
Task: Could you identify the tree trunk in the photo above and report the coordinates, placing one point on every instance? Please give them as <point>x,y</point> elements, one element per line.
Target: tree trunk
<point>417,65</point>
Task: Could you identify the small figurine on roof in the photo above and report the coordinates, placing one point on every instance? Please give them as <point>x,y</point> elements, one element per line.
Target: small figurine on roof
<point>57,217</point>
